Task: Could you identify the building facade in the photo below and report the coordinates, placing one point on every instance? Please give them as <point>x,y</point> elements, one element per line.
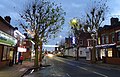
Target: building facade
<point>20,45</point>
<point>109,40</point>
<point>71,45</point>
<point>7,42</point>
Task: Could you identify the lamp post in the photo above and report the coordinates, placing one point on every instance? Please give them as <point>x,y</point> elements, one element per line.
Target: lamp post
<point>74,25</point>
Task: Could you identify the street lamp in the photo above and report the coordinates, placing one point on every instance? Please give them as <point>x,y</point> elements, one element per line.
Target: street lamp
<point>74,25</point>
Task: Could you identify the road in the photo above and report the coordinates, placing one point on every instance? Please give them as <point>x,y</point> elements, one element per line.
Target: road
<point>61,67</point>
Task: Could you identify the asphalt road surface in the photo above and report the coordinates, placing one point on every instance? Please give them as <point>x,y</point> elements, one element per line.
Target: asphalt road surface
<point>61,67</point>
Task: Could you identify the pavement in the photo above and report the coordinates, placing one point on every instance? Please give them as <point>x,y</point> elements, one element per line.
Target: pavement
<point>17,70</point>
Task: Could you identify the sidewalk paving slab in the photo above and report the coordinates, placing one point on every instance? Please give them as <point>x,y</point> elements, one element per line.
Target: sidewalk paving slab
<point>15,70</point>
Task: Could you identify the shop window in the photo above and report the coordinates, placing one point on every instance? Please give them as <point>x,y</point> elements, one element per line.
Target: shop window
<point>109,53</point>
<point>8,53</point>
<point>4,53</point>
<point>11,54</point>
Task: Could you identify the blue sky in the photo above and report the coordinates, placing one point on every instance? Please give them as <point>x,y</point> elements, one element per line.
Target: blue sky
<point>73,8</point>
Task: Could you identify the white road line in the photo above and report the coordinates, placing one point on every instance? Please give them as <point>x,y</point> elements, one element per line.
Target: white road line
<point>84,69</point>
<point>68,75</point>
<point>32,71</point>
<point>99,74</point>
<point>76,61</point>
<point>70,64</point>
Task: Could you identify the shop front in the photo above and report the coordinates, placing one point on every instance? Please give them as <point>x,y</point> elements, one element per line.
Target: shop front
<point>106,50</point>
<point>118,51</point>
<point>20,51</point>
<point>7,44</point>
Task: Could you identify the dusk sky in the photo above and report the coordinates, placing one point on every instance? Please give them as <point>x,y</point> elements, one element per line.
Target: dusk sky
<point>73,8</point>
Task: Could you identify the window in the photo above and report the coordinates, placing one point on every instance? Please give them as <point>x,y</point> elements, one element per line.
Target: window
<point>80,52</point>
<point>103,40</point>
<point>110,52</point>
<point>98,40</point>
<point>107,40</point>
<point>8,53</point>
<point>4,53</point>
<point>118,36</point>
<point>81,42</point>
<point>113,38</point>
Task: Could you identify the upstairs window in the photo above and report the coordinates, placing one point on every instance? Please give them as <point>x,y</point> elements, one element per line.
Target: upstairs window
<point>103,40</point>
<point>81,42</point>
<point>118,36</point>
<point>113,37</point>
<point>107,40</point>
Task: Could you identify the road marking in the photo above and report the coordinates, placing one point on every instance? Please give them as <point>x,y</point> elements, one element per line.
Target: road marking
<point>95,65</point>
<point>32,71</point>
<point>100,74</point>
<point>68,75</point>
<point>74,61</point>
<point>83,68</point>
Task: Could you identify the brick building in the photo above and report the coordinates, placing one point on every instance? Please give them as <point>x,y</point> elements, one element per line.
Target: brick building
<point>28,45</point>
<point>19,46</point>
<point>71,48</point>
<point>109,40</point>
<point>7,42</point>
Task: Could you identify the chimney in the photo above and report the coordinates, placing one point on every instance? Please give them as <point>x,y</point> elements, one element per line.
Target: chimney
<point>114,21</point>
<point>7,18</point>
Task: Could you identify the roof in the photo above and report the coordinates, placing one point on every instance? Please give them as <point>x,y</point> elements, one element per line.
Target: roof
<point>5,22</point>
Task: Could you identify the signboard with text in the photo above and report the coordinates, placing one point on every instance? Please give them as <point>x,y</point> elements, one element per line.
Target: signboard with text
<point>7,39</point>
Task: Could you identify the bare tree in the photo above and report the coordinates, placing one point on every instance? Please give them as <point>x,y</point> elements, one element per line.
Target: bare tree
<point>43,19</point>
<point>95,16</point>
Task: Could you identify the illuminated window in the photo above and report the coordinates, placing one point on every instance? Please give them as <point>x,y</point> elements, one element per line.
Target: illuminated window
<point>110,52</point>
<point>99,40</point>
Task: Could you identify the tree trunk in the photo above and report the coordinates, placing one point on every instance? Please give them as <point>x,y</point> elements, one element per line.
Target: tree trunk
<point>36,56</point>
<point>93,54</point>
<point>40,55</point>
<point>36,51</point>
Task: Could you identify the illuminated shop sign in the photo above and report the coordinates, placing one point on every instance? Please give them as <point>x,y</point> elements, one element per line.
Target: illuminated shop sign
<point>73,40</point>
<point>7,39</point>
<point>20,49</point>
